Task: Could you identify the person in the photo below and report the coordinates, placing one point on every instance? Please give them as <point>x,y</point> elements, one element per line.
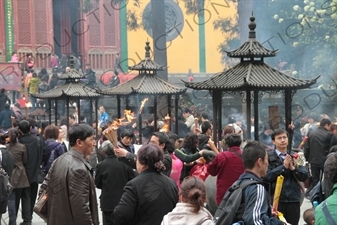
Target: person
<point>6,118</point>
<point>34,160</point>
<point>327,185</point>
<point>189,119</point>
<point>3,99</point>
<point>177,164</point>
<point>227,165</point>
<point>333,140</point>
<point>72,120</point>
<point>205,141</point>
<point>149,196</point>
<point>7,163</point>
<point>43,87</point>
<point>255,197</point>
<point>53,149</point>
<point>17,111</point>
<point>317,149</point>
<point>310,126</point>
<point>118,66</point>
<point>114,80</point>
<point>19,177</point>
<point>282,163</point>
<point>54,60</point>
<point>309,216</point>
<point>104,117</point>
<point>190,209</point>
<point>43,74</point>
<point>69,183</point>
<point>182,128</point>
<point>62,137</point>
<point>111,177</point>
<point>125,142</point>
<point>265,135</point>
<point>15,57</point>
<point>90,76</point>
<point>33,88</point>
<point>29,62</point>
<point>330,204</point>
<point>54,78</point>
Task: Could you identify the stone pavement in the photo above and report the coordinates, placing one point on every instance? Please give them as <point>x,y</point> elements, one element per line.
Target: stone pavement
<point>38,221</point>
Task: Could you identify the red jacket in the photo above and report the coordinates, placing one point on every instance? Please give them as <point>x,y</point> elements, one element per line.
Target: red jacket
<point>228,166</point>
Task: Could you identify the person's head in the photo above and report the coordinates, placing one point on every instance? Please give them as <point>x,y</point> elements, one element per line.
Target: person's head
<point>14,53</point>
<point>150,157</point>
<point>32,122</point>
<point>175,140</point>
<point>72,120</point>
<point>82,118</point>
<point>333,149</point>
<point>13,134</point>
<point>127,137</point>
<point>44,71</point>
<point>7,106</point>
<point>161,139</point>
<point>232,140</point>
<point>311,118</point>
<point>255,158</point>
<point>186,112</point>
<point>101,109</point>
<point>82,138</point>
<point>107,148</point>
<point>87,66</point>
<point>3,90</point>
<point>67,69</point>
<point>51,132</point>
<point>24,126</point>
<point>206,128</point>
<point>309,216</point>
<point>62,132</point>
<point>3,138</point>
<point>193,191</point>
<point>34,75</point>
<point>204,116</point>
<point>330,169</point>
<point>279,138</point>
<point>231,119</point>
<point>191,141</point>
<point>228,130</point>
<point>325,123</point>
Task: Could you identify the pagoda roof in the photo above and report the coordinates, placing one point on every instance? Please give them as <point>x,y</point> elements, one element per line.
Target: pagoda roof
<point>71,74</point>
<point>253,75</point>
<point>251,48</point>
<point>145,84</point>
<point>147,63</point>
<point>69,90</point>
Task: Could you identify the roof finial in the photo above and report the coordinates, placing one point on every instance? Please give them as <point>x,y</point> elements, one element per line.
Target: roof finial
<point>147,49</point>
<point>252,26</point>
<point>72,62</point>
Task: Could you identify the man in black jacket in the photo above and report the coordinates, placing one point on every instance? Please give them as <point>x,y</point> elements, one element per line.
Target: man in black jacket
<point>282,163</point>
<point>317,149</point>
<point>34,155</point>
<point>3,99</point>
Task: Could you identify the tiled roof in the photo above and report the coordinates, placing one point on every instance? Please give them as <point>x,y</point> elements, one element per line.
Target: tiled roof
<point>72,74</point>
<point>147,63</point>
<point>251,48</point>
<point>251,75</point>
<point>145,84</point>
<point>73,90</point>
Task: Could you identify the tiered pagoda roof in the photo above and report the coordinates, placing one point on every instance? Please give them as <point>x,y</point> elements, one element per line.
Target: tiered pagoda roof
<point>73,88</point>
<point>147,82</point>
<point>251,73</point>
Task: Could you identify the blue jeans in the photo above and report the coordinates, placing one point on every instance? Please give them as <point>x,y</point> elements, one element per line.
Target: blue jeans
<point>33,101</point>
<point>11,209</point>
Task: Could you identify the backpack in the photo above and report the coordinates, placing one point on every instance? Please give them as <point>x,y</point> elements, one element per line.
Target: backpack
<point>5,185</point>
<point>232,207</point>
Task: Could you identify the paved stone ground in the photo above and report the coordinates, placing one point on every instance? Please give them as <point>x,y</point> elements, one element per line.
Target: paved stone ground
<point>38,221</point>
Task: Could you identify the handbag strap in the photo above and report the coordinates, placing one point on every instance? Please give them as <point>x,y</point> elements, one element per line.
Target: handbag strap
<point>203,220</point>
<point>327,214</point>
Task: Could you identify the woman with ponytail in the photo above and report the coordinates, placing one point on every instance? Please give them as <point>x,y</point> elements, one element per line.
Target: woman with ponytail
<point>19,179</point>
<point>149,196</point>
<point>190,209</point>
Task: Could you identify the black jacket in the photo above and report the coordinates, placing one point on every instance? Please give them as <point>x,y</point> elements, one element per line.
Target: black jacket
<point>291,190</point>
<point>34,155</point>
<point>111,177</point>
<point>7,160</point>
<point>3,99</point>
<point>318,145</point>
<point>146,199</point>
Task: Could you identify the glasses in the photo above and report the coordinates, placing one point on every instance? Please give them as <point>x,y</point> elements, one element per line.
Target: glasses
<point>281,138</point>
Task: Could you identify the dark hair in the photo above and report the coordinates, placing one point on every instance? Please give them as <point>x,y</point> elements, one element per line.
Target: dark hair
<point>193,192</point>
<point>51,132</point>
<point>43,71</point>
<point>63,121</point>
<point>13,134</point>
<point>3,138</point>
<point>330,168</point>
<point>72,117</point>
<point>24,126</point>
<point>107,148</point>
<point>324,122</point>
<point>333,127</point>
<point>186,110</point>
<point>7,106</point>
<point>82,117</point>
<point>152,156</point>
<point>204,115</point>
<point>233,140</point>
<point>278,132</point>
<point>333,149</point>
<point>191,142</point>
<point>173,136</point>
<point>205,126</point>
<point>34,75</point>
<point>3,90</point>
<point>231,119</point>
<point>32,122</point>
<point>309,215</point>
<point>79,131</point>
<point>127,133</point>
<point>164,139</point>
<point>253,151</point>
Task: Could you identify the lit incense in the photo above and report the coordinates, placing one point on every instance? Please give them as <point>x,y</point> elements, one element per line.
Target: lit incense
<point>278,188</point>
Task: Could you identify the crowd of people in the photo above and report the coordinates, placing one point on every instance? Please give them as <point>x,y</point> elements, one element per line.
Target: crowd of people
<point>165,181</point>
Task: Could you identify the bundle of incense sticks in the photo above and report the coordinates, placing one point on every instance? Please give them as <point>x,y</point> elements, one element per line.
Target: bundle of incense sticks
<point>111,134</point>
